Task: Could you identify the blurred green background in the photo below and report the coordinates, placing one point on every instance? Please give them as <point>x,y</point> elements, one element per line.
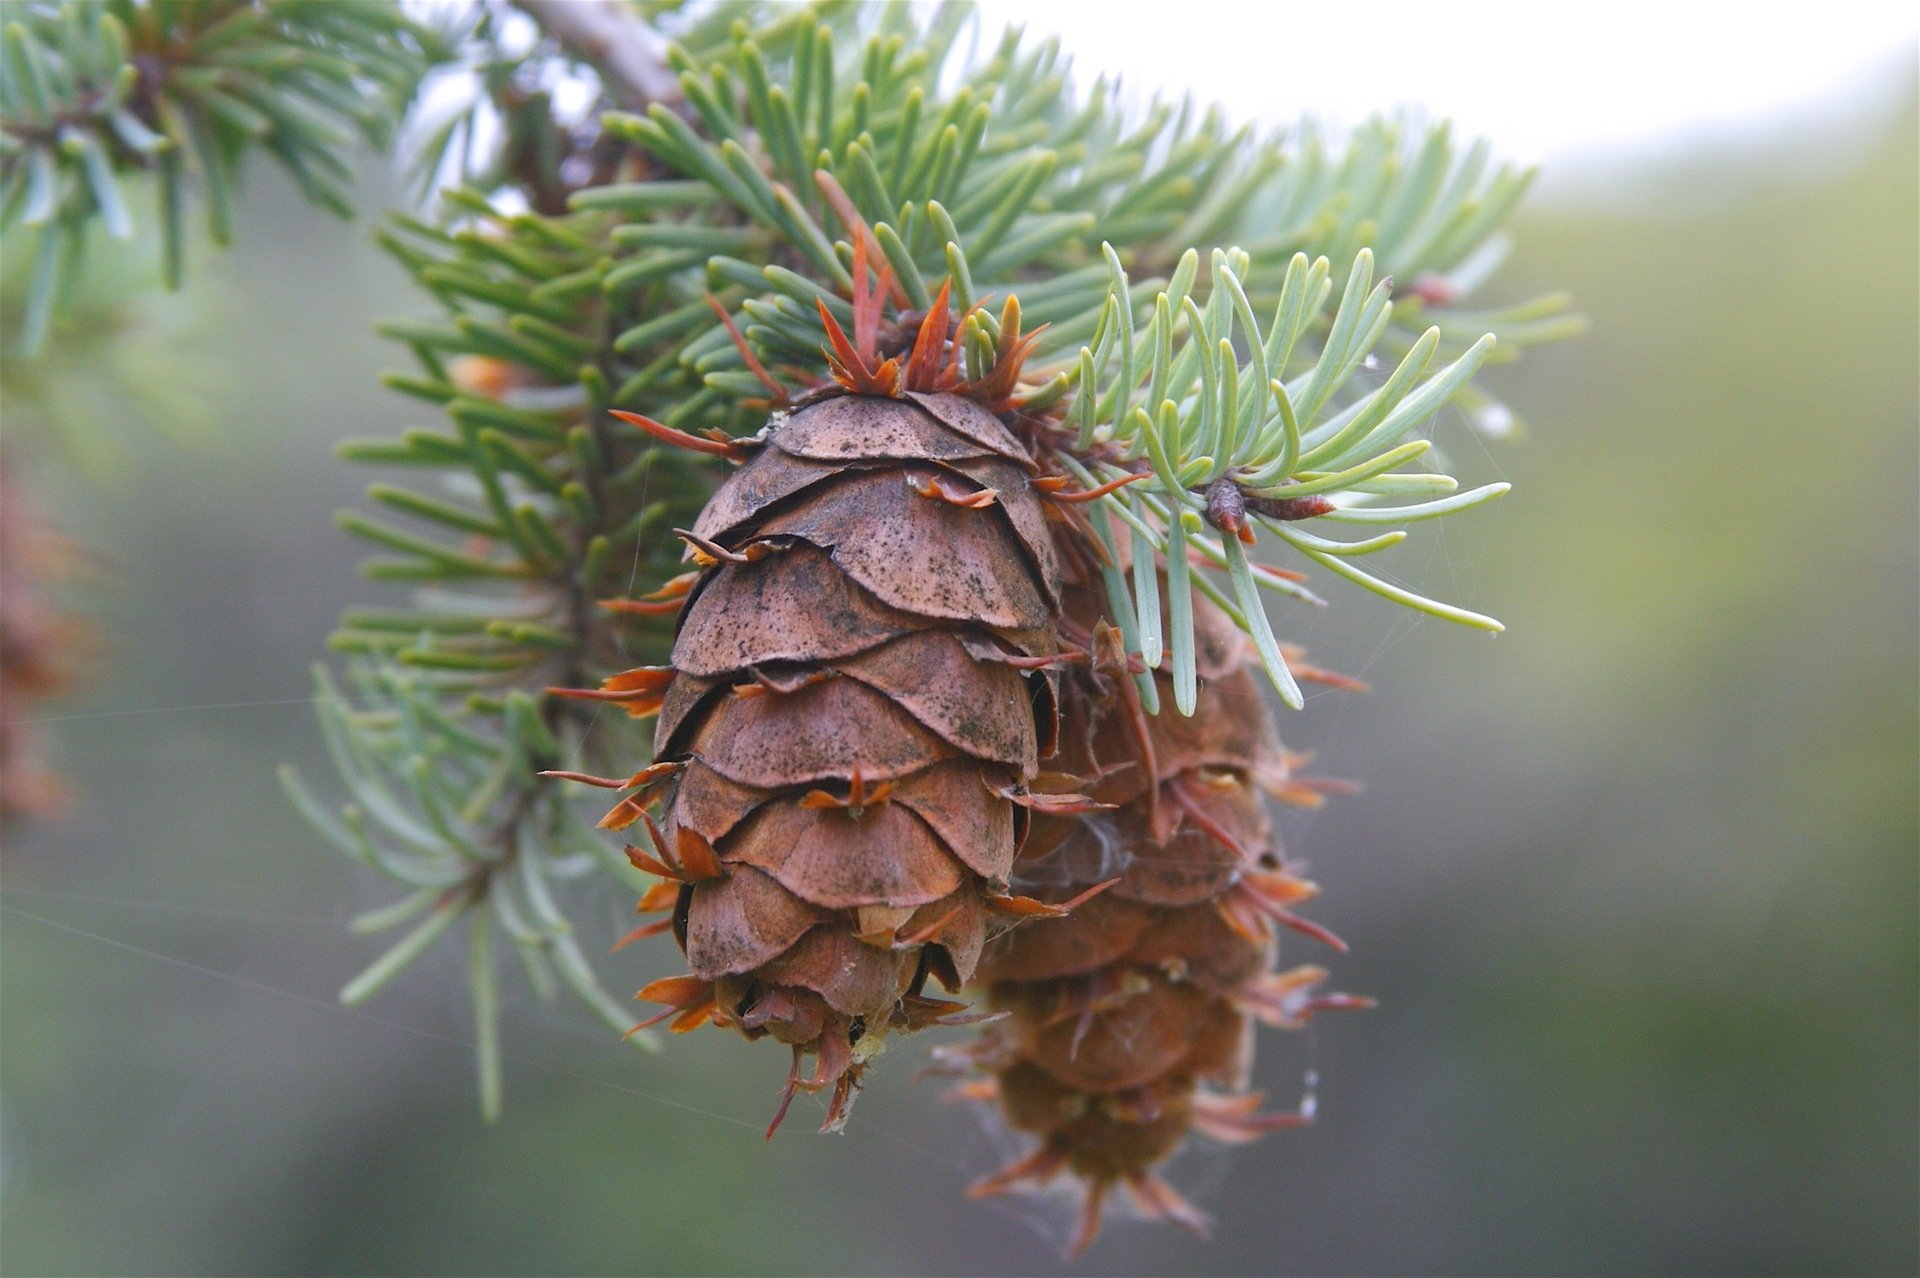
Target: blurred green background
<point>1635,882</point>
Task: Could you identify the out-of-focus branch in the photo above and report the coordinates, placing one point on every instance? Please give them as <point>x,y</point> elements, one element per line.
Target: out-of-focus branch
<point>604,33</point>
<point>180,94</point>
<point>41,648</point>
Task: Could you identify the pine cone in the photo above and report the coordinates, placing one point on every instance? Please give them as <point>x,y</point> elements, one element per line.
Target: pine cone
<point>853,708</point>
<point>1129,1022</point>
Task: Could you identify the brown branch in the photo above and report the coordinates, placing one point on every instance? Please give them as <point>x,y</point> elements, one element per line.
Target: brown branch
<point>630,56</point>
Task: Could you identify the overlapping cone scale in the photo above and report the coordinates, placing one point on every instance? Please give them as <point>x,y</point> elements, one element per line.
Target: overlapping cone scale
<point>853,707</point>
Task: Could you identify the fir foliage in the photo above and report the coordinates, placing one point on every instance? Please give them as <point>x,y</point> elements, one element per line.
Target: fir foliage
<point>797,135</point>
<point>545,507</point>
<point>184,91</point>
<point>1211,303</point>
<point>1014,187</point>
<point>119,352</point>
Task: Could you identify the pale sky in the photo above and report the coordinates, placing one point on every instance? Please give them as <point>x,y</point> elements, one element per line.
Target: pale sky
<point>1542,80</point>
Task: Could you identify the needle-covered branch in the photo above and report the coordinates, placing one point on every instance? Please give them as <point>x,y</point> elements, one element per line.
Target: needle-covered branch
<point>767,206</point>
<point>174,93</point>
<point>1281,434</point>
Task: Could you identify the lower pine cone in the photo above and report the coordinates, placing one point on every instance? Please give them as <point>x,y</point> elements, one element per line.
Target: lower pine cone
<point>1129,1023</point>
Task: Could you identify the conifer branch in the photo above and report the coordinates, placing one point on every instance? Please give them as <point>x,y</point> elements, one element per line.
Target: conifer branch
<point>94,91</point>
<point>1235,444</point>
<point>805,171</point>
<point>1006,209</point>
<point>548,507</point>
<point>613,40</point>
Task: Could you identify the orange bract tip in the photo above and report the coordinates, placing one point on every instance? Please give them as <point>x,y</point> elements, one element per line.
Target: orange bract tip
<point>1039,1167</point>
<point>707,553</point>
<point>1157,1200</point>
<point>661,896</point>
<point>1197,813</point>
<point>697,856</point>
<point>721,447</point>
<point>646,864</point>
<point>639,691</point>
<point>1054,804</point>
<point>856,375</point>
<point>1283,999</point>
<point>644,930</point>
<point>1262,570</point>
<point>786,1096</point>
<point>1307,672</point>
<point>754,365</point>
<point>639,679</point>
<point>585,778</point>
<point>636,608</point>
<point>1236,1120</point>
<point>689,1002</point>
<point>1092,1209</point>
<point>1058,492</point>
<point>674,587</point>
<point>927,372</point>
<point>922,935</point>
<point>1028,907</point>
<point>865,247</point>
<point>1342,1003</point>
<point>923,1012</point>
<point>622,815</point>
<point>858,799</point>
<point>1058,661</point>
<point>938,487</point>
